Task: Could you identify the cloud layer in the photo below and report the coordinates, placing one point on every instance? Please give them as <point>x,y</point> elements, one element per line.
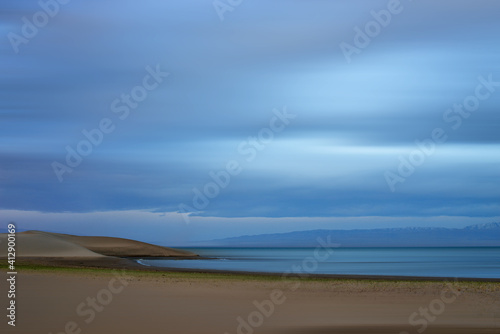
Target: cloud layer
<point>354,121</point>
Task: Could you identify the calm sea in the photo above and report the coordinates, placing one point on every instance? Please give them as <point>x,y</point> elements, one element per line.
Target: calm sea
<point>475,262</point>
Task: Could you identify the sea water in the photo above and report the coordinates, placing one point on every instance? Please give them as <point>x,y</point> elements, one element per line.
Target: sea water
<point>470,262</point>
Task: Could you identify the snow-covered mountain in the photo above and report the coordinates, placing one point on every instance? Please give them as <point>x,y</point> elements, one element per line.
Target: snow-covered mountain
<point>481,235</point>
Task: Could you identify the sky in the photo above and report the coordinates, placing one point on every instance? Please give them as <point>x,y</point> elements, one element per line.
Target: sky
<point>173,121</point>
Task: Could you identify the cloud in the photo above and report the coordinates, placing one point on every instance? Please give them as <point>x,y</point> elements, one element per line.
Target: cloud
<point>354,120</point>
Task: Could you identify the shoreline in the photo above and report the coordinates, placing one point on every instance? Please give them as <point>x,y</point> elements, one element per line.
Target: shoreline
<point>57,294</point>
<point>131,264</point>
<point>69,251</point>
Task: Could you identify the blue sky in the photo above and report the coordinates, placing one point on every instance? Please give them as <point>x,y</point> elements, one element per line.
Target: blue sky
<point>333,163</point>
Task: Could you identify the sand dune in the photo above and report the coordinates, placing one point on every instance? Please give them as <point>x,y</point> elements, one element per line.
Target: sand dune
<point>44,244</point>
<point>123,247</point>
<point>41,244</point>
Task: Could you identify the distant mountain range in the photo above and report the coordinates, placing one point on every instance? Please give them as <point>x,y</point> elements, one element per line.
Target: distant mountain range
<point>481,235</point>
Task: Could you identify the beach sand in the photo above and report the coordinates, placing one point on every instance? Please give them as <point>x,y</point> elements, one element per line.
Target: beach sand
<point>58,300</point>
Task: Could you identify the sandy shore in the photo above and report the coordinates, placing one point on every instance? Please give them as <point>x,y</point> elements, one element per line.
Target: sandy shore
<point>118,301</point>
<point>74,285</point>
